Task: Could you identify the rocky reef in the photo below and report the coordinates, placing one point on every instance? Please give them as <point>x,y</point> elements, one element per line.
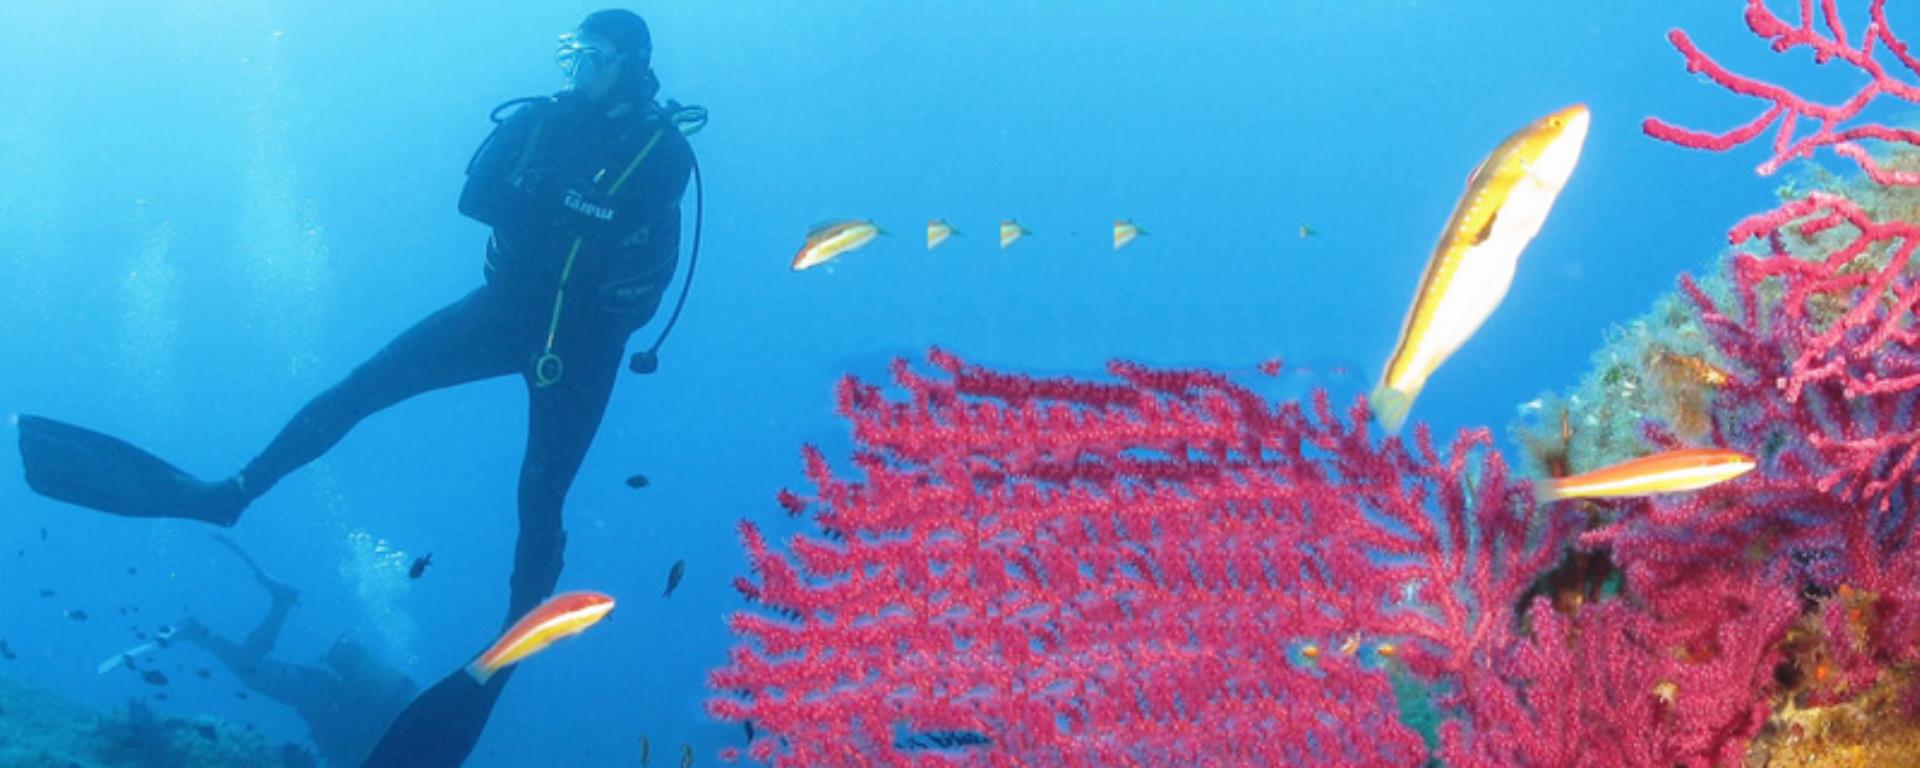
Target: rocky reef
<point>41,729</point>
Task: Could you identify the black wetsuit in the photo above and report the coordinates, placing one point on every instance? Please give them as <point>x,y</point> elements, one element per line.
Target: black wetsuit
<point>584,202</point>
<point>556,177</point>
<point>585,211</point>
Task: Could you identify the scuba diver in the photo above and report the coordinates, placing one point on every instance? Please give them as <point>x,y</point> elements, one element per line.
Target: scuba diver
<point>347,701</point>
<point>582,192</point>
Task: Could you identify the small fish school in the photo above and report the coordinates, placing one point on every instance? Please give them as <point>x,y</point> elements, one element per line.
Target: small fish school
<point>830,240</point>
<point>1505,204</point>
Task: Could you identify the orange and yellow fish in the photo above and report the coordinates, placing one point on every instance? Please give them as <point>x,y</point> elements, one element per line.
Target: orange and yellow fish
<point>1010,231</point>
<point>1677,471</point>
<point>560,617</point>
<point>1472,266</point>
<point>938,230</point>
<point>1695,368</point>
<point>828,241</point>
<point>1124,231</point>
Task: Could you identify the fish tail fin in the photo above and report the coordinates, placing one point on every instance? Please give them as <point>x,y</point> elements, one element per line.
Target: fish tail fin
<point>479,672</point>
<point>1549,489</point>
<point>1390,407</point>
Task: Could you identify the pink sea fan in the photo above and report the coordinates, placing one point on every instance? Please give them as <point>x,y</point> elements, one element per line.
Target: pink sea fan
<point>1162,568</point>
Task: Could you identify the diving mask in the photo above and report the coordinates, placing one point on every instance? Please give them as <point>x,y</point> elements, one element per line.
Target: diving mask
<point>580,60</point>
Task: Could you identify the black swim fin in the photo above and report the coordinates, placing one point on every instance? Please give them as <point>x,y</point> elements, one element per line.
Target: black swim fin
<point>441,726</point>
<point>97,471</point>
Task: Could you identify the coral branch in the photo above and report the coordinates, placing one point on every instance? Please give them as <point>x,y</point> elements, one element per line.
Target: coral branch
<point>1788,109</point>
<point>1163,567</point>
<point>1826,308</point>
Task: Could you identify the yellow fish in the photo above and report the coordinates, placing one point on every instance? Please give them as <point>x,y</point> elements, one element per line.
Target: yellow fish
<point>938,230</point>
<point>1472,266</point>
<point>1306,232</point>
<point>1124,231</point>
<point>1686,469</point>
<point>1693,367</point>
<point>827,241</point>
<point>1010,231</point>
<point>560,617</point>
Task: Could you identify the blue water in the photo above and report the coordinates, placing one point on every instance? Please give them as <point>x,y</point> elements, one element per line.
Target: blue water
<point>210,212</point>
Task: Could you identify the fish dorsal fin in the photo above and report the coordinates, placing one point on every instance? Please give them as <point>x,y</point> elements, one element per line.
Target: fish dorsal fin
<point>824,228</point>
<point>1474,177</point>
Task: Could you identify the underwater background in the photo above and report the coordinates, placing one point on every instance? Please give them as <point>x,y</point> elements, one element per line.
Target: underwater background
<point>211,211</point>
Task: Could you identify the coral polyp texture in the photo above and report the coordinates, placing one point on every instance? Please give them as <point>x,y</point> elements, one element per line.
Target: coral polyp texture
<point>1139,571</point>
